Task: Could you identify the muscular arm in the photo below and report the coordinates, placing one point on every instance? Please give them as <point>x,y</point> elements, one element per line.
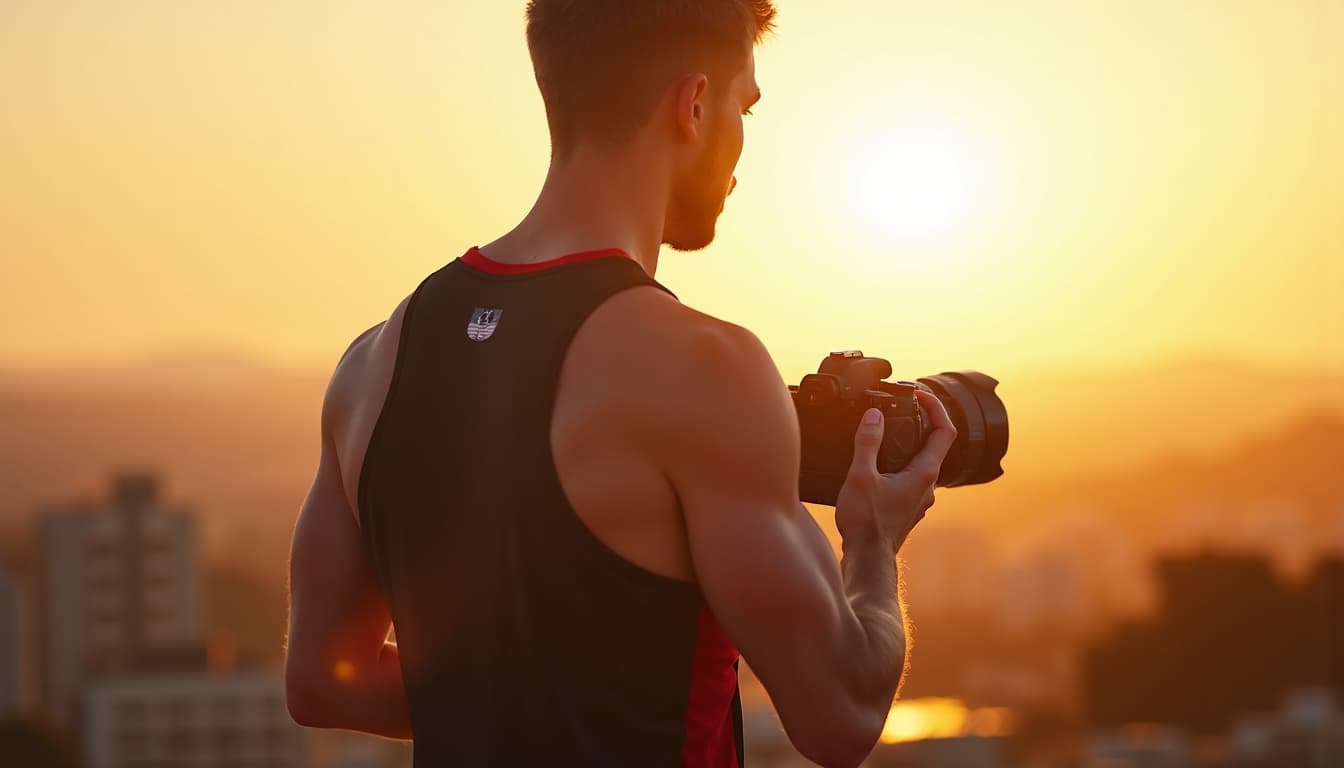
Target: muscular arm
<point>827,640</point>
<point>340,669</point>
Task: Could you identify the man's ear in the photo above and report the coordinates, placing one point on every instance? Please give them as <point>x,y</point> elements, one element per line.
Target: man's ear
<point>690,104</point>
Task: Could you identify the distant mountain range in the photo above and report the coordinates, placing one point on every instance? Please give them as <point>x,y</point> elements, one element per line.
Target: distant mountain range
<point>185,371</point>
<point>1270,491</point>
<point>1066,423</point>
<point>238,440</point>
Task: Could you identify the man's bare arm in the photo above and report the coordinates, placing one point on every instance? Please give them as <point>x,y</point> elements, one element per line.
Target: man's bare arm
<point>340,670</point>
<point>828,643</point>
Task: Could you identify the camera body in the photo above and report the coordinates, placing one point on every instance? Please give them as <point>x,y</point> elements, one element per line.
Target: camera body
<point>831,403</point>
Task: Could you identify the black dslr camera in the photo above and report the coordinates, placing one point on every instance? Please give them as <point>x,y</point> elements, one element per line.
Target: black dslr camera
<point>831,402</point>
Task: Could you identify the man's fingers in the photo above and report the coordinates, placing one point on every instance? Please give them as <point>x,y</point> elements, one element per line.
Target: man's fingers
<point>867,443</point>
<point>929,461</point>
<point>937,412</point>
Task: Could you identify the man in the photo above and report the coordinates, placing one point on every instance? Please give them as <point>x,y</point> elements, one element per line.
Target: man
<point>575,498</point>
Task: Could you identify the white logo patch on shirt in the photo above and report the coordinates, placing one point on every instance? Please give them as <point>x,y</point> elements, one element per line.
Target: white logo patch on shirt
<point>483,323</point>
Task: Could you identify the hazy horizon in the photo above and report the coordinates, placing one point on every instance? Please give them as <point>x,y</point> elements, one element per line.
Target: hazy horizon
<point>246,434</point>
<point>168,355</point>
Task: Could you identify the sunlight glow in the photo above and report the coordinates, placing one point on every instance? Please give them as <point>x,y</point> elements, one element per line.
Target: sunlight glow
<point>919,719</point>
<point>922,182</point>
<point>1059,172</point>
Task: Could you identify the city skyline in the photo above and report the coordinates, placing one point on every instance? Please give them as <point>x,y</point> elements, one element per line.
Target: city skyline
<point>1002,649</point>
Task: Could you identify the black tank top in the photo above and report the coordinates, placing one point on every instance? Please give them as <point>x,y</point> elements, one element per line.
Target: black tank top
<point>524,640</point>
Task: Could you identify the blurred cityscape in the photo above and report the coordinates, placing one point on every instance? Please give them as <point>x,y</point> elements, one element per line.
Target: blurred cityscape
<point>126,675</point>
<point>1185,610</point>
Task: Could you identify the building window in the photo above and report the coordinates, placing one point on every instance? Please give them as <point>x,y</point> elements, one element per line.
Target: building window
<point>181,742</point>
<point>273,708</point>
<point>226,709</point>
<point>156,548</point>
<point>105,633</point>
<point>228,743</point>
<point>276,740</point>
<point>105,604</point>
<point>177,711</point>
<point>131,743</point>
<point>100,551</point>
<point>131,710</point>
<point>105,583</point>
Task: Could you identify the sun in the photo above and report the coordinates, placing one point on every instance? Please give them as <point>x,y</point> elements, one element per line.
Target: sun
<point>919,183</point>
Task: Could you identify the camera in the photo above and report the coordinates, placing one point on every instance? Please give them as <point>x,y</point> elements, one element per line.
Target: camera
<point>831,402</point>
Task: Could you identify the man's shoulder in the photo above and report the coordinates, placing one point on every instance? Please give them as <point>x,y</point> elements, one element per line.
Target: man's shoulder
<point>681,370</point>
<point>365,365</point>
<point>698,395</point>
<point>361,344</point>
<point>676,343</point>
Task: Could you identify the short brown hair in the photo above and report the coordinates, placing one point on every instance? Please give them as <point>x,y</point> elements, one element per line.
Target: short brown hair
<point>602,65</point>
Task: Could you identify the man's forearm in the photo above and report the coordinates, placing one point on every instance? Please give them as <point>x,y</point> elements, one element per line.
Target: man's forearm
<point>368,698</point>
<point>872,585</point>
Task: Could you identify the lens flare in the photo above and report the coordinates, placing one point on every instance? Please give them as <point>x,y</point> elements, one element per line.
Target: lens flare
<point>343,671</point>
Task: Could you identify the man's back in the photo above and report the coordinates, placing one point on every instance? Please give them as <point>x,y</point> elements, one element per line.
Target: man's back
<point>578,497</point>
<point>534,558</point>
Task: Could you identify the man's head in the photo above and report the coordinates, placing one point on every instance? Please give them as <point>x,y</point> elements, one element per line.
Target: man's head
<point>674,76</point>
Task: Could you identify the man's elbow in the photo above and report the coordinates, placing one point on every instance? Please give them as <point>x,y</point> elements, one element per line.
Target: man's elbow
<point>841,744</point>
<point>305,696</point>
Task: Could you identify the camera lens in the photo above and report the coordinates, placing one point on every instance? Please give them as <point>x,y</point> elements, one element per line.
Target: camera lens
<point>982,426</point>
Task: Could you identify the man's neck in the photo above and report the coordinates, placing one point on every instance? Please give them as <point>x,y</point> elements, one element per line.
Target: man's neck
<point>591,201</point>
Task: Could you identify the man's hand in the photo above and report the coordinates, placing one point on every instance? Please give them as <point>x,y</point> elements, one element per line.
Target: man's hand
<point>887,507</point>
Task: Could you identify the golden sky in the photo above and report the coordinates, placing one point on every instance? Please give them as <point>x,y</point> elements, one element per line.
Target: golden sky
<point>1010,186</point>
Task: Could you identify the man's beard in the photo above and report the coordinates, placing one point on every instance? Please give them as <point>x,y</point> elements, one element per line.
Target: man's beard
<point>693,216</point>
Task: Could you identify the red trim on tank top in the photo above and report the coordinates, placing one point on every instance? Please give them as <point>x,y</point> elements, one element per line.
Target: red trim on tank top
<point>711,738</point>
<point>474,258</point>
